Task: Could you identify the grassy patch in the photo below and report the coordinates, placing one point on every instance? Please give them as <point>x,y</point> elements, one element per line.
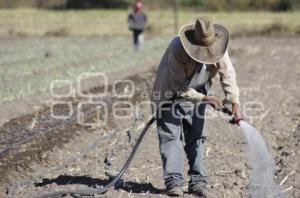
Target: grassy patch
<point>29,65</point>
<point>31,22</point>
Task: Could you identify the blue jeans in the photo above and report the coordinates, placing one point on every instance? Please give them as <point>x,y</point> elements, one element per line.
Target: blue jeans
<point>181,130</point>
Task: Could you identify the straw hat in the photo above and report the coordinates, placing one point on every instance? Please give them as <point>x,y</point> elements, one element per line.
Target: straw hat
<point>204,41</point>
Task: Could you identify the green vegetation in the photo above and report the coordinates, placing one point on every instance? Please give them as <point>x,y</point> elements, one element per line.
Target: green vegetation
<point>274,5</point>
<point>28,66</point>
<point>31,22</point>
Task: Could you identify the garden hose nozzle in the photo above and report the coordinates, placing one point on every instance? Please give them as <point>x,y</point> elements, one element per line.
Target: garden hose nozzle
<point>235,119</point>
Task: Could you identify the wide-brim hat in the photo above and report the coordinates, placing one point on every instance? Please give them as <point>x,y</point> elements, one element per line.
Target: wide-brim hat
<point>204,41</point>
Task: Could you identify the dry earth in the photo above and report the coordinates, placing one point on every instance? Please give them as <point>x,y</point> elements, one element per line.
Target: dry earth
<point>66,155</point>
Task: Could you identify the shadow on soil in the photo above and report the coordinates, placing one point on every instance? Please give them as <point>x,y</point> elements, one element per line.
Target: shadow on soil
<point>132,187</point>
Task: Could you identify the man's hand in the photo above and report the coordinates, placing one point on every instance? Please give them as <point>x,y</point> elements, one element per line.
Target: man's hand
<point>236,110</point>
<point>192,95</point>
<point>214,101</point>
<point>236,114</point>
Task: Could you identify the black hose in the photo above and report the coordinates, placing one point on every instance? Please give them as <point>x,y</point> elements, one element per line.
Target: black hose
<point>93,191</point>
<point>226,111</point>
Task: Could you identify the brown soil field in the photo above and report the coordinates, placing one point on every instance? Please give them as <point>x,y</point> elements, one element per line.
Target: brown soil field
<point>40,154</point>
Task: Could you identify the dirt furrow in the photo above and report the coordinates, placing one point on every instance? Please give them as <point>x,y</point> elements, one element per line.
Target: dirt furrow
<point>270,99</point>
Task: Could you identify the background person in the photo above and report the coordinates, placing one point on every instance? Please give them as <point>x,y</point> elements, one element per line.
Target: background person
<point>137,22</point>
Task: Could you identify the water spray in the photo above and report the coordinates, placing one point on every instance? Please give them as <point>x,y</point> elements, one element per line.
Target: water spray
<point>261,161</point>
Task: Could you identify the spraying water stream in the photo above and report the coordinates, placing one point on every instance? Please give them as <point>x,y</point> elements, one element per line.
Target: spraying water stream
<point>262,163</point>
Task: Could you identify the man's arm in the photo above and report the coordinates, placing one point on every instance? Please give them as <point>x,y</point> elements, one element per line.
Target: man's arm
<point>228,82</point>
<point>177,70</point>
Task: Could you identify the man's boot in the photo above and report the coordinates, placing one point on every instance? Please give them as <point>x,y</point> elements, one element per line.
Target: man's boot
<point>199,190</point>
<point>175,191</point>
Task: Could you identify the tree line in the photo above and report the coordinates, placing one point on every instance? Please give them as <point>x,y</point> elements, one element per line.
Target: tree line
<point>217,5</point>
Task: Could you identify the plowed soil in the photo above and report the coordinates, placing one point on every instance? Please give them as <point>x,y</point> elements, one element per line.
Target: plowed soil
<point>40,154</point>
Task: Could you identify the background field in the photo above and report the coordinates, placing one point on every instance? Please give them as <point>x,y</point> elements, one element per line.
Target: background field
<point>44,45</point>
<point>36,62</point>
<point>31,22</point>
